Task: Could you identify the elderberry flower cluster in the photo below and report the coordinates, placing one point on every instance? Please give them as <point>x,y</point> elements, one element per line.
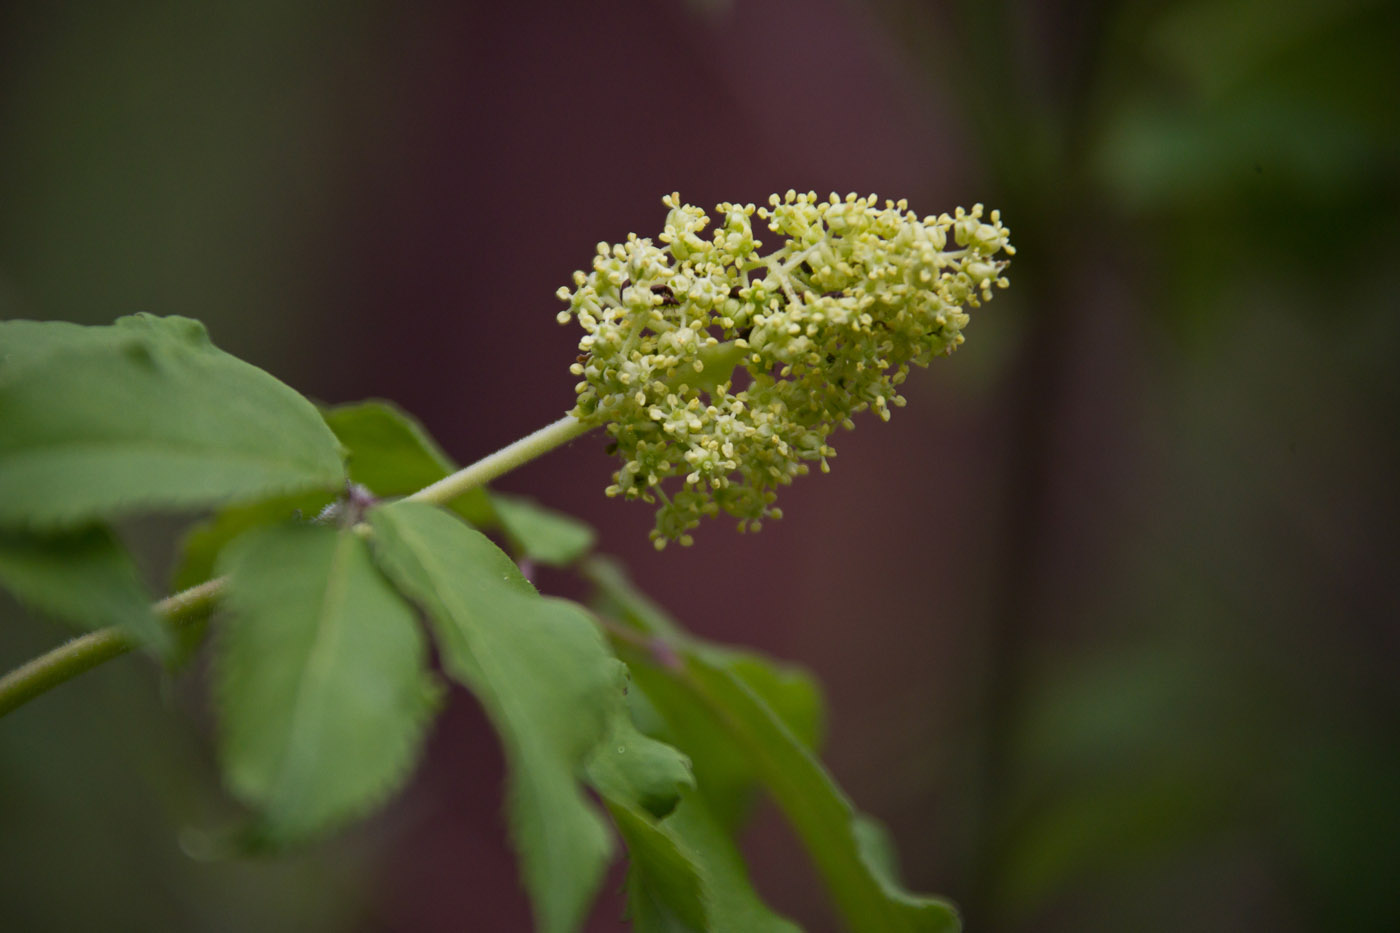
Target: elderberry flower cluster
<point>730,369</point>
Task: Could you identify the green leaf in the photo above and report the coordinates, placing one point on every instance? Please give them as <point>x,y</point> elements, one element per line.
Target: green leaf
<point>321,679</point>
<point>726,776</point>
<point>544,676</point>
<point>391,454</point>
<point>633,769</point>
<point>145,413</point>
<point>542,534</point>
<point>84,577</point>
<point>641,780</point>
<point>203,543</point>
<point>791,693</point>
<point>824,819</point>
<point>731,903</point>
<point>711,711</point>
<point>685,872</point>
<point>665,892</point>
<point>23,341</point>
<point>876,845</point>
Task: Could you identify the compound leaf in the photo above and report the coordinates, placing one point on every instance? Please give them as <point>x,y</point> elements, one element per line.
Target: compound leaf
<point>321,679</point>
<point>145,413</point>
<point>790,692</point>
<point>545,678</point>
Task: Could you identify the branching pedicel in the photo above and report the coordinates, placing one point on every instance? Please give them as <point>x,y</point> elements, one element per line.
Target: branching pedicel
<point>710,361</point>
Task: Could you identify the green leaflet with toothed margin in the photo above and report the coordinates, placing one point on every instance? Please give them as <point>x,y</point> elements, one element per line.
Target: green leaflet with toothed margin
<point>145,414</point>
<point>545,678</point>
<point>687,867</point>
<point>321,682</point>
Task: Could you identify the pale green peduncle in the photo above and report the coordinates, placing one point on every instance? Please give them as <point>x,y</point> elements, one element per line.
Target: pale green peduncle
<point>502,461</point>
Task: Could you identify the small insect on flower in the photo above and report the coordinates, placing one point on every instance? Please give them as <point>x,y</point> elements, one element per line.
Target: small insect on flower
<point>722,372</point>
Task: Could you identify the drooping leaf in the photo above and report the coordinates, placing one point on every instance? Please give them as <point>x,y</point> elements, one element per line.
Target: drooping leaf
<point>665,892</point>
<point>641,780</point>
<point>705,703</point>
<point>542,534</point>
<point>876,845</point>
<point>725,773</point>
<point>823,817</point>
<point>684,873</point>
<point>201,545</point>
<point>726,894</point>
<point>636,770</point>
<point>392,455</point>
<point>791,693</point>
<point>321,679</point>
<point>544,676</point>
<point>84,577</point>
<point>145,413</point>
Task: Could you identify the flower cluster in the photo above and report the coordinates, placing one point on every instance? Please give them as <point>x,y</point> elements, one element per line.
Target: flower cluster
<point>730,369</point>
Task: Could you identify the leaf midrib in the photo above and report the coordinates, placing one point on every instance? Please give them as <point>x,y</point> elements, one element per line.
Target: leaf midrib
<point>127,447</point>
<point>318,664</point>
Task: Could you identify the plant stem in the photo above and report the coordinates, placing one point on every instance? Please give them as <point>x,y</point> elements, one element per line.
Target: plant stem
<point>502,461</point>
<point>69,660</point>
<point>82,654</point>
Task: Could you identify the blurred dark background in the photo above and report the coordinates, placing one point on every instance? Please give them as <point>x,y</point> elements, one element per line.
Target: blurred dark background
<point>1107,617</point>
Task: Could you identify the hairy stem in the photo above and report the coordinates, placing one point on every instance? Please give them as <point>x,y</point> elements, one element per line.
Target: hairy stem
<point>69,660</point>
<point>502,461</point>
<point>82,654</point>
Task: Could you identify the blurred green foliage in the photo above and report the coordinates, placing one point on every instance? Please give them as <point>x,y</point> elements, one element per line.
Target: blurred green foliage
<point>1214,748</point>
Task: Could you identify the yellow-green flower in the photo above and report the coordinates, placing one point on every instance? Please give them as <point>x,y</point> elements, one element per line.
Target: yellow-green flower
<point>729,369</point>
